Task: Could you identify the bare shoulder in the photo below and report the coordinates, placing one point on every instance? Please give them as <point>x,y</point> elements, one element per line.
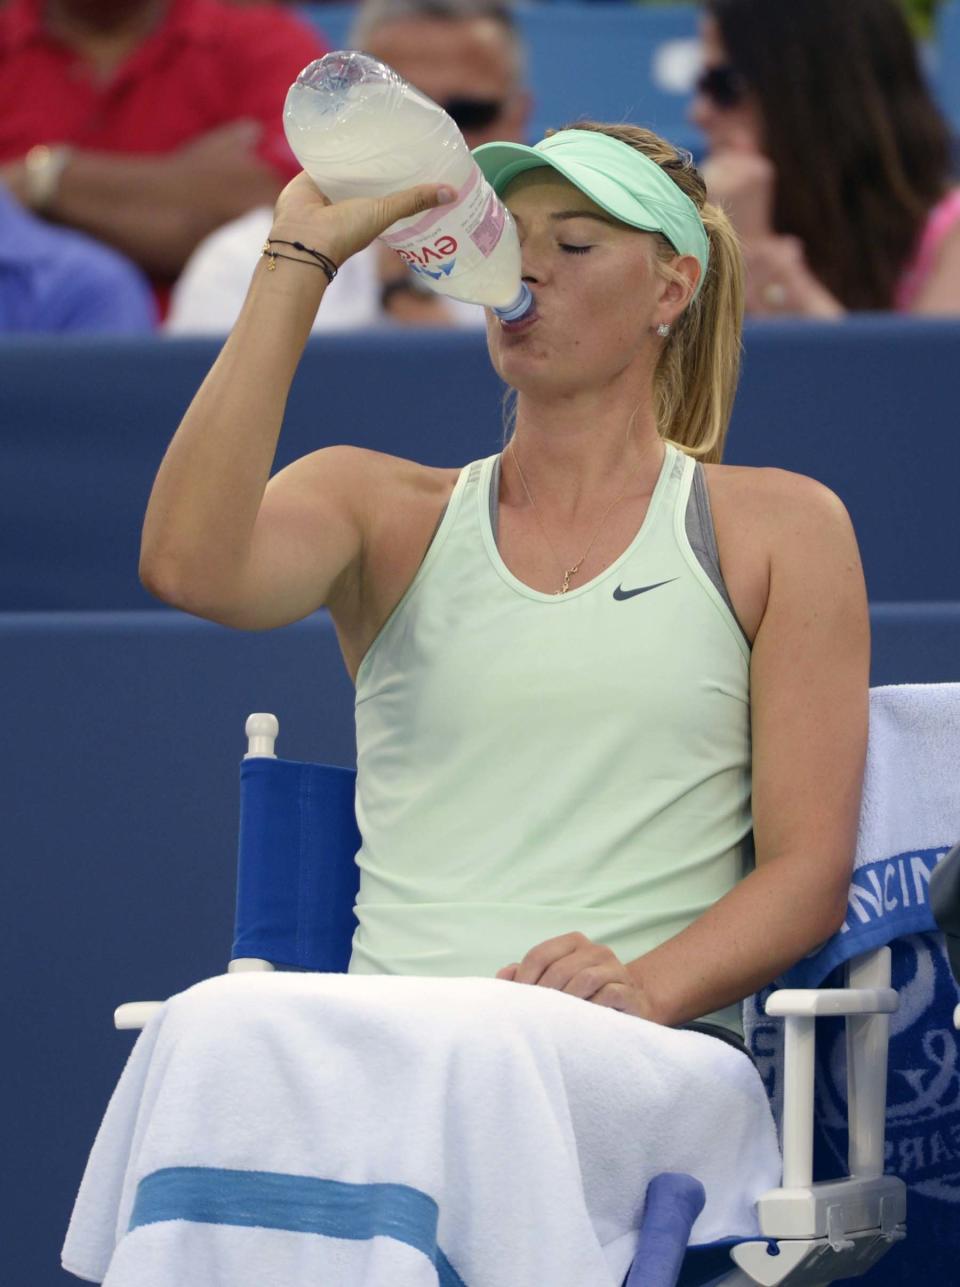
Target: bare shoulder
<point>774,506</point>
<point>382,494</point>
<point>764,491</point>
<point>399,494</point>
<point>770,520</point>
<point>398,504</point>
<point>367,469</point>
<point>940,293</point>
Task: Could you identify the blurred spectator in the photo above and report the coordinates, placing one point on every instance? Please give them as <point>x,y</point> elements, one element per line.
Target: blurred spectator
<point>146,123</point>
<point>827,151</point>
<point>53,280</point>
<point>464,54</point>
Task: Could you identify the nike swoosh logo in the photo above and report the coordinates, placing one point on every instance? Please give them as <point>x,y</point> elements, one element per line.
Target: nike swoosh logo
<point>620,593</point>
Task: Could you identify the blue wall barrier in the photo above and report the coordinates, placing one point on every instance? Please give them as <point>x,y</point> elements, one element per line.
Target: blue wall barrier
<point>869,407</point>
<point>123,734</point>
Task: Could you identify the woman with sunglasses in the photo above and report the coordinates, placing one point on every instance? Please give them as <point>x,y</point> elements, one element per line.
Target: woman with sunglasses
<point>828,153</point>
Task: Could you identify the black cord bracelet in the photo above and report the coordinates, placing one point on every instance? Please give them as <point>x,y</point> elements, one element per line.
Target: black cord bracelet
<point>322,261</point>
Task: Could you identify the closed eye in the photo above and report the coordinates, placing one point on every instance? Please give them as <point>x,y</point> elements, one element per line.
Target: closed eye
<point>575,250</point>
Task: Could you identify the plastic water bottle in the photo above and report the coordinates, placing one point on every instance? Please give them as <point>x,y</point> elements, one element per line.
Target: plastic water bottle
<point>360,130</point>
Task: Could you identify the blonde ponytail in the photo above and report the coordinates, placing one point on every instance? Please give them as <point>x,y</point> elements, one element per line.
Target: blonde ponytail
<point>696,378</point>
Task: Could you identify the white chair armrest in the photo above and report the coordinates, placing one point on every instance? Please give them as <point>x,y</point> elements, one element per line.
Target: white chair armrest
<point>249,965</point>
<point>866,1004</point>
<point>135,1014</point>
<point>808,1003</point>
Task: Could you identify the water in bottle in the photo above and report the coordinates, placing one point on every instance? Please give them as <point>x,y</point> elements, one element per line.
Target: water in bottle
<point>360,130</point>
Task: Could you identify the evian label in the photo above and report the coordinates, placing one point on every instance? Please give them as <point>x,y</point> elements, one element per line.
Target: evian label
<point>452,238</point>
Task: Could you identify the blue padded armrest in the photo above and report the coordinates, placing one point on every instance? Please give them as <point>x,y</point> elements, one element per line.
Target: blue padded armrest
<point>297,878</point>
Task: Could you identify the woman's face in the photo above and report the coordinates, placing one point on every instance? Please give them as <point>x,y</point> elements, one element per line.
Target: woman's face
<point>723,108</point>
<point>596,289</point>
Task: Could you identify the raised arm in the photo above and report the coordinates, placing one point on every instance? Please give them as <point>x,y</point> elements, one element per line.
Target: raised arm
<point>217,540</point>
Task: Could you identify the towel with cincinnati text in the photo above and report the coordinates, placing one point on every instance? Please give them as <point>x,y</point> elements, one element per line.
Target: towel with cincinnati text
<point>384,1130</point>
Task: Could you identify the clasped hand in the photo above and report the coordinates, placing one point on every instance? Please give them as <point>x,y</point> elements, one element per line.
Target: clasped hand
<point>574,964</point>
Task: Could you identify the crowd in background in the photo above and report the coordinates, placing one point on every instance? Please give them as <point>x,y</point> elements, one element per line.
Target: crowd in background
<point>142,148</point>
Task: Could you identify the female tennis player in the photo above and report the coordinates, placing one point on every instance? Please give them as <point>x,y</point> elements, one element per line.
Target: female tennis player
<point>611,726</point>
<point>611,693</point>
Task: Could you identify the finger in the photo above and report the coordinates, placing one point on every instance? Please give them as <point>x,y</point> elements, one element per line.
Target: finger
<point>583,971</point>
<point>413,201</point>
<point>590,979</point>
<point>539,959</point>
<point>508,972</point>
<point>615,996</point>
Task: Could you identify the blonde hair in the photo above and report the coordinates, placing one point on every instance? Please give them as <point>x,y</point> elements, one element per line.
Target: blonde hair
<point>695,381</point>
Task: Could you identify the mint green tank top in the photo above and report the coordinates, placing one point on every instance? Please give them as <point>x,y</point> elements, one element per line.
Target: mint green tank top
<point>532,764</point>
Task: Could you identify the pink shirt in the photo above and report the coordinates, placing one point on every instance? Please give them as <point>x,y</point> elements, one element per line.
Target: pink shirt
<point>943,218</point>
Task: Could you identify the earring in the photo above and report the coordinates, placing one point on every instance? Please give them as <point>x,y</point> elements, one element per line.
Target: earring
<point>663,330</point>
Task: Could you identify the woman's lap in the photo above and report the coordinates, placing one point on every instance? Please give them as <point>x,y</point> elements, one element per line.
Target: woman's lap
<point>506,1105</point>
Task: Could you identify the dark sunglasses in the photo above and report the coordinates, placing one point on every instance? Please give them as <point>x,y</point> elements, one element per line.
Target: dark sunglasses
<point>473,113</point>
<point>724,86</point>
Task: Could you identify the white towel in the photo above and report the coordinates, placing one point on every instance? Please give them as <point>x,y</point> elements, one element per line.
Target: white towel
<point>524,1122</point>
<point>909,820</point>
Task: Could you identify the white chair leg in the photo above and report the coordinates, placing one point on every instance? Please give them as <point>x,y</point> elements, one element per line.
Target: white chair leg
<point>798,1057</point>
<point>868,1042</point>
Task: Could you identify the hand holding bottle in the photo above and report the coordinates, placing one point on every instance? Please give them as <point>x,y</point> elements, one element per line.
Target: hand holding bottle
<point>342,228</point>
<point>359,130</point>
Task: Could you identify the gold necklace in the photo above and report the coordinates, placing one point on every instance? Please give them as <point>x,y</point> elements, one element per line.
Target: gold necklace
<point>566,573</point>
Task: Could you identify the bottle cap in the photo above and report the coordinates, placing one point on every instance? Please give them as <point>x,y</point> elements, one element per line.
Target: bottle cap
<point>520,306</point>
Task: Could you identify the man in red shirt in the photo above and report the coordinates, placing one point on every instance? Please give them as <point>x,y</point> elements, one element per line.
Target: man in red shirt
<point>147,123</point>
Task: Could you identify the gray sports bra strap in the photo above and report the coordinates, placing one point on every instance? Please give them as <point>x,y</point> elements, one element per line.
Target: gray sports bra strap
<point>703,537</point>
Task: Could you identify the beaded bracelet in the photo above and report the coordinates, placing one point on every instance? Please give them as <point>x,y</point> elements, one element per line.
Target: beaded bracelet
<point>322,261</point>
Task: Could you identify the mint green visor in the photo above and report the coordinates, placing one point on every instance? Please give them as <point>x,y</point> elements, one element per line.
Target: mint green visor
<point>621,180</point>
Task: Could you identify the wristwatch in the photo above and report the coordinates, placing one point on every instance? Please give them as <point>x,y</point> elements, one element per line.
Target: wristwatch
<point>44,166</point>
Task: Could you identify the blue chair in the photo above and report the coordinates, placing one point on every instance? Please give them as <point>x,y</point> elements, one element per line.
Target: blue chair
<point>297,883</point>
